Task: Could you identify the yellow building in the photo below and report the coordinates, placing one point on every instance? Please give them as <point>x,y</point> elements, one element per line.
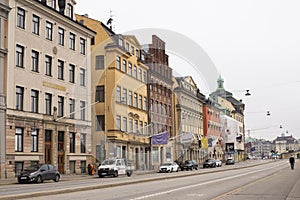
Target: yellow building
<point>119,76</point>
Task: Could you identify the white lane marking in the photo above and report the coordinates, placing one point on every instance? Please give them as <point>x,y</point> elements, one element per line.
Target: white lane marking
<point>200,184</point>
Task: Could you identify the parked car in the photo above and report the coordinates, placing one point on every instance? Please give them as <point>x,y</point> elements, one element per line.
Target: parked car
<point>218,163</point>
<point>229,161</point>
<point>169,167</point>
<point>209,163</point>
<point>187,165</point>
<point>39,173</point>
<point>195,165</point>
<point>114,167</point>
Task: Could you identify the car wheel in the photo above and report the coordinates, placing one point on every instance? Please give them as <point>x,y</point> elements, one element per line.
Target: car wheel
<point>115,174</point>
<point>128,173</point>
<point>39,179</point>
<point>177,169</point>
<point>57,178</point>
<point>171,170</point>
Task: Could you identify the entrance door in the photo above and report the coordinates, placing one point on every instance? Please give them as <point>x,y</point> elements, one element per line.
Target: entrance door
<point>48,141</point>
<point>61,152</point>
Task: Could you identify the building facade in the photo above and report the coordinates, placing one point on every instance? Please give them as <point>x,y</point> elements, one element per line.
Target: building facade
<point>48,73</point>
<point>189,123</point>
<point>234,109</point>
<point>212,129</point>
<point>160,98</point>
<point>4,10</point>
<point>119,83</point>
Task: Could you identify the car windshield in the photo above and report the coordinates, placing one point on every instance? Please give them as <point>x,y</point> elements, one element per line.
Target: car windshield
<point>32,168</point>
<point>166,164</point>
<point>108,162</point>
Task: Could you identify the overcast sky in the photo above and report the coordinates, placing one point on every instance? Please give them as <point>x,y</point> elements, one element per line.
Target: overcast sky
<point>253,44</point>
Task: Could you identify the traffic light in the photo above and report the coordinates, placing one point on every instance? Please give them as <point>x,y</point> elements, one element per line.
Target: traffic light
<point>199,144</point>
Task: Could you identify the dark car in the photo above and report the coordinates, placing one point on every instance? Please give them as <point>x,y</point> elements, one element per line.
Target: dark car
<point>39,173</point>
<point>209,163</point>
<point>195,164</point>
<point>187,165</point>
<point>229,161</point>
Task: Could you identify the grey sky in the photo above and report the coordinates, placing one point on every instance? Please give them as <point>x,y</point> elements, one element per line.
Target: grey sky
<point>254,44</point>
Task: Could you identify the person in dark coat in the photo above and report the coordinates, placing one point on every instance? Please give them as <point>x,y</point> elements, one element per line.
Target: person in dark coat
<point>292,161</point>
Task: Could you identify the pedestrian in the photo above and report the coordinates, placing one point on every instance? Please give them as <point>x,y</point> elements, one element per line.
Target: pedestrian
<point>292,161</point>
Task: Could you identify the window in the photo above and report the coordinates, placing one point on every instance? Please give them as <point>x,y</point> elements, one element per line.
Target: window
<point>99,62</point>
<point>34,140</point>
<point>130,98</point>
<point>124,124</point>
<point>35,25</point>
<point>141,128</point>
<point>19,56</point>
<point>135,128</point>
<point>60,108</point>
<point>124,98</point>
<point>132,50</point>
<point>82,110</point>
<point>82,77</point>
<point>118,122</point>
<point>72,73</point>
<point>82,46</point>
<point>100,93</point>
<point>70,11</point>
<point>61,36</point>
<point>155,154</point>
<point>19,140</point>
<point>134,72</point>
<point>52,3</point>
<point>124,66</point>
<point>127,46</point>
<point>140,75</point>
<point>34,61</point>
<point>60,70</point>
<point>145,77</point>
<point>130,126</point>
<point>72,41</point>
<point>48,65</point>
<point>48,103</point>
<point>19,97</point>
<point>72,108</point>
<point>34,101</point>
<point>118,63</point>
<point>130,69</point>
<point>49,28</point>
<point>72,142</point>
<point>121,42</point>
<point>118,94</point>
<point>145,103</point>
<point>100,123</point>
<point>21,18</point>
<point>140,102</point>
<point>82,143</point>
<point>135,100</point>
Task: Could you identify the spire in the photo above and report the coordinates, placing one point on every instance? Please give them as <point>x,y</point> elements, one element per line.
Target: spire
<point>220,82</point>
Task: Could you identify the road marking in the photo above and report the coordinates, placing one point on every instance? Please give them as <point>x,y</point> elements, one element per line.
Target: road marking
<point>200,184</point>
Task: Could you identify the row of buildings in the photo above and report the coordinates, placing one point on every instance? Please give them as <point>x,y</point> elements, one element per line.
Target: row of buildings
<point>281,147</point>
<point>74,92</point>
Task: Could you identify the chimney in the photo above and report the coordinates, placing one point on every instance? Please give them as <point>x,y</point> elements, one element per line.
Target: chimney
<point>62,6</point>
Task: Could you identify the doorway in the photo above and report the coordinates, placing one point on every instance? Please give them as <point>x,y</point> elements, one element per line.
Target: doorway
<point>48,146</point>
<point>61,151</point>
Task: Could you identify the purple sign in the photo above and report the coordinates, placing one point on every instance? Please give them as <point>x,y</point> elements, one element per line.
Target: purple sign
<point>160,138</point>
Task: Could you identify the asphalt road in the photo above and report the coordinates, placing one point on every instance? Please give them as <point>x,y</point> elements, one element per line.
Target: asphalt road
<point>269,181</point>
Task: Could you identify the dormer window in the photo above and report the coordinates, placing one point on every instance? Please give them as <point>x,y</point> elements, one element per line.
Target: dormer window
<point>121,42</point>
<point>70,11</point>
<point>52,4</point>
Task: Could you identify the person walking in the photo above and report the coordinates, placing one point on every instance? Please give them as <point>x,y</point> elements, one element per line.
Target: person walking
<point>292,161</point>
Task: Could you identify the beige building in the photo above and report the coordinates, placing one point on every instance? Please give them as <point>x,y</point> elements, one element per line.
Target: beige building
<point>4,10</point>
<point>119,77</point>
<point>48,80</point>
<point>188,105</point>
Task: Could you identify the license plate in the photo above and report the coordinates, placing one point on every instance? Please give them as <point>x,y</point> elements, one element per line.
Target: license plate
<point>103,173</point>
<point>23,178</point>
